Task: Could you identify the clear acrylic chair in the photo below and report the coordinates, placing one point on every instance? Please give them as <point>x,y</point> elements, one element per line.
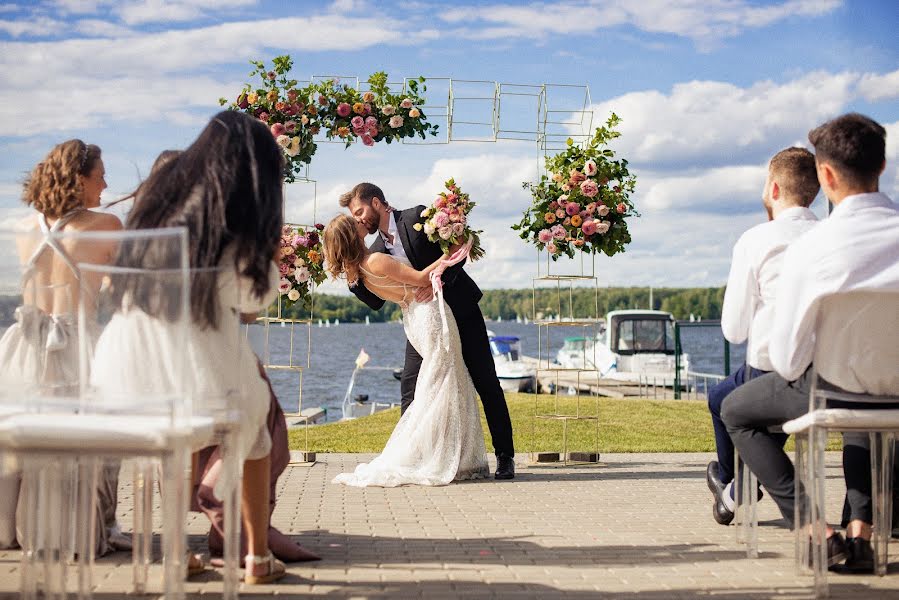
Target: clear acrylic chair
<point>855,349</point>
<point>124,275</point>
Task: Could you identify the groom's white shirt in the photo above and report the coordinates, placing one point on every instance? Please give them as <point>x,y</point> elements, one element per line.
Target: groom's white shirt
<point>395,247</point>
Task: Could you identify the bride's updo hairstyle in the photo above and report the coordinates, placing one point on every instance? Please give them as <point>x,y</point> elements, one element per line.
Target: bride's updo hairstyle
<point>344,249</point>
<point>53,187</point>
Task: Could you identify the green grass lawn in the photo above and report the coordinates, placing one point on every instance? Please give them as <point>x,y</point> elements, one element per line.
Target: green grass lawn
<point>624,426</point>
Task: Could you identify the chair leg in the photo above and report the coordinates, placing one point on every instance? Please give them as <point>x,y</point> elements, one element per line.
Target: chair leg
<point>28,583</point>
<point>801,514</point>
<point>174,502</point>
<point>818,437</point>
<point>232,518</point>
<point>143,524</point>
<point>881,496</point>
<point>738,499</point>
<point>86,525</point>
<point>751,519</point>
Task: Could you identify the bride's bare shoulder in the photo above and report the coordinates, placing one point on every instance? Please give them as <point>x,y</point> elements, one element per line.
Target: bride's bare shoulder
<point>377,262</point>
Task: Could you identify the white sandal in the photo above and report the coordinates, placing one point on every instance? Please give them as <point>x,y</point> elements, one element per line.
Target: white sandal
<point>276,569</point>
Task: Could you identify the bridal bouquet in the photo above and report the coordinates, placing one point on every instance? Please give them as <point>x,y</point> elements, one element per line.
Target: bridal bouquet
<point>300,264</point>
<point>296,114</point>
<point>584,202</point>
<point>446,221</point>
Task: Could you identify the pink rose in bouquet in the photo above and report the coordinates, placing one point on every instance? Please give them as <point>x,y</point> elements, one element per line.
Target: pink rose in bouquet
<point>446,222</point>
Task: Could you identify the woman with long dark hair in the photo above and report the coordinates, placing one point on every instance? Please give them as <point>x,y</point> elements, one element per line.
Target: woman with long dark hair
<point>226,190</point>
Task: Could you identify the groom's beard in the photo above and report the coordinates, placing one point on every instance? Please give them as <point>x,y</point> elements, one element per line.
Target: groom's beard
<point>372,228</point>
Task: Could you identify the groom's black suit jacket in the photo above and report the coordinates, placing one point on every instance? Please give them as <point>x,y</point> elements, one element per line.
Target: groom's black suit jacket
<point>459,290</point>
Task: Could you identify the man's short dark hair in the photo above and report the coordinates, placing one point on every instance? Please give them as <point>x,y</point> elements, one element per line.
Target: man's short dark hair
<point>365,192</point>
<point>794,171</point>
<point>854,145</point>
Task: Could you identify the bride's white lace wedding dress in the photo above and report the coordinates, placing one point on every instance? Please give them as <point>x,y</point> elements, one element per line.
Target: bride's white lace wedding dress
<point>439,438</point>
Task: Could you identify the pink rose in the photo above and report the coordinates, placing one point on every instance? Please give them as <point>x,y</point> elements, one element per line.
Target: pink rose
<point>451,197</point>
<point>292,95</point>
<point>283,286</point>
<point>388,109</point>
<point>263,116</point>
<point>440,202</point>
<point>367,139</point>
<point>441,219</point>
<point>589,227</point>
<point>278,129</point>
<point>406,103</point>
<point>545,236</point>
<point>567,221</point>
<point>589,188</point>
<point>458,228</point>
<point>322,100</point>
<point>445,232</point>
<point>560,213</point>
<point>558,232</point>
<point>602,227</point>
<point>344,109</point>
<point>396,121</point>
<point>290,126</point>
<point>553,205</point>
<point>566,187</point>
<point>357,122</point>
<point>455,216</point>
<point>283,268</point>
<point>590,168</point>
<point>551,248</point>
<point>369,121</point>
<point>373,129</point>
<point>591,208</point>
<point>584,214</point>
<point>621,208</point>
<point>368,97</point>
<point>603,210</point>
<point>272,75</point>
<point>572,208</point>
<point>575,177</point>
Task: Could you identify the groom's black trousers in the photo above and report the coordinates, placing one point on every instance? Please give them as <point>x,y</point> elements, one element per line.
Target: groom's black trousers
<point>479,360</point>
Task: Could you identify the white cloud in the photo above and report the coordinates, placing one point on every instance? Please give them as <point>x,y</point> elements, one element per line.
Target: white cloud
<point>40,26</point>
<point>722,189</point>
<point>700,20</point>
<point>100,28</point>
<point>721,123</point>
<point>875,88</point>
<point>161,11</point>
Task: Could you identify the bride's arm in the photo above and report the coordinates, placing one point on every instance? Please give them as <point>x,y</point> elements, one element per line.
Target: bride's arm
<point>383,265</point>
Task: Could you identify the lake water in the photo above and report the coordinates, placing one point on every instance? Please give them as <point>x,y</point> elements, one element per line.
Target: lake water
<point>334,350</point>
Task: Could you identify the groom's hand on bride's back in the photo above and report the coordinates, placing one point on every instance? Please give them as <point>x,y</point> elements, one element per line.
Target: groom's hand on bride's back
<point>424,294</point>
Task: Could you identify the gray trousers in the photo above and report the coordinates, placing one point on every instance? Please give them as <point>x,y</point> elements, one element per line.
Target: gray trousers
<point>769,400</point>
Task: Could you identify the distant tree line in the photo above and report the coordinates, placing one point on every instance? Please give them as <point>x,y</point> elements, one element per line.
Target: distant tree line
<point>509,304</point>
<point>578,302</point>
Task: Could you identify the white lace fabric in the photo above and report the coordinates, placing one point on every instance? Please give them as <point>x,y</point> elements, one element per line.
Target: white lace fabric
<point>439,438</point>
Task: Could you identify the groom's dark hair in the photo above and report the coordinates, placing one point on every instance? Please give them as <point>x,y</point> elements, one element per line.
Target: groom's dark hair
<point>365,192</point>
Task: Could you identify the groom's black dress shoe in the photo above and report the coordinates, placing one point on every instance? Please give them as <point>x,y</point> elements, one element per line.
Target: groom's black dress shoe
<point>720,512</point>
<point>505,467</point>
<point>860,555</point>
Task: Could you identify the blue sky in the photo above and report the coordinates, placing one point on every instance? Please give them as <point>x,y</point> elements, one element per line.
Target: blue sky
<point>708,90</point>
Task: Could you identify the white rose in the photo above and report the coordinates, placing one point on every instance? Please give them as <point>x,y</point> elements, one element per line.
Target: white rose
<point>388,109</point>
<point>590,168</point>
<point>429,228</point>
<point>293,295</point>
<point>299,262</point>
<point>283,140</point>
<point>301,275</point>
<point>446,232</point>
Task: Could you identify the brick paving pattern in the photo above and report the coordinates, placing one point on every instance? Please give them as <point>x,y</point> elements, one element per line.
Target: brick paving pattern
<point>636,527</point>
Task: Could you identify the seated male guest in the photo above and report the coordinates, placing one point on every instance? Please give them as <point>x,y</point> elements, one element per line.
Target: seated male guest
<point>855,248</point>
<point>748,310</point>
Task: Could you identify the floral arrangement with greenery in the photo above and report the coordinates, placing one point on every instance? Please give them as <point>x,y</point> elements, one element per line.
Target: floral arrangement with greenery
<point>300,264</point>
<point>296,115</point>
<point>584,201</point>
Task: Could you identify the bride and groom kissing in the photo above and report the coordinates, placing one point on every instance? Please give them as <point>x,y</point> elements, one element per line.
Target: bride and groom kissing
<point>438,438</point>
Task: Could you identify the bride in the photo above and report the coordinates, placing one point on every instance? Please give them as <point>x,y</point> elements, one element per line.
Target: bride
<point>439,438</point>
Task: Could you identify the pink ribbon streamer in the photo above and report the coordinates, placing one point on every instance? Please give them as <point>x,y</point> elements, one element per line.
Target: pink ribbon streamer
<point>437,284</point>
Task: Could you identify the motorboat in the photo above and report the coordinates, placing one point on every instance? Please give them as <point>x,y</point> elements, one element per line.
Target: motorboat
<point>514,375</point>
<point>636,346</point>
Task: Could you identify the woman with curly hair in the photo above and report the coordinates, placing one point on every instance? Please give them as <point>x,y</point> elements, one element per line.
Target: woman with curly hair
<point>40,350</point>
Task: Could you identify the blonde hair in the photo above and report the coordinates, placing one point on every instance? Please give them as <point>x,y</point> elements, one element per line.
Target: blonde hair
<point>344,250</point>
<point>53,187</point>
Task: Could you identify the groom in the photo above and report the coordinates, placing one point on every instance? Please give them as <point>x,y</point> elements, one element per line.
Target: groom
<point>397,236</point>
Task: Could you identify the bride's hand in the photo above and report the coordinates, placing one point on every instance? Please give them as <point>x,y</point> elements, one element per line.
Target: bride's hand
<point>455,248</point>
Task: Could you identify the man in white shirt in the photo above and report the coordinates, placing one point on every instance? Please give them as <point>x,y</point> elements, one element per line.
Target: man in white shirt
<point>748,311</point>
<point>855,248</point>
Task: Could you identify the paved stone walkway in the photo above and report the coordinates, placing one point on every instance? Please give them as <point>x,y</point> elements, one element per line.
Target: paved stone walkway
<point>637,527</point>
